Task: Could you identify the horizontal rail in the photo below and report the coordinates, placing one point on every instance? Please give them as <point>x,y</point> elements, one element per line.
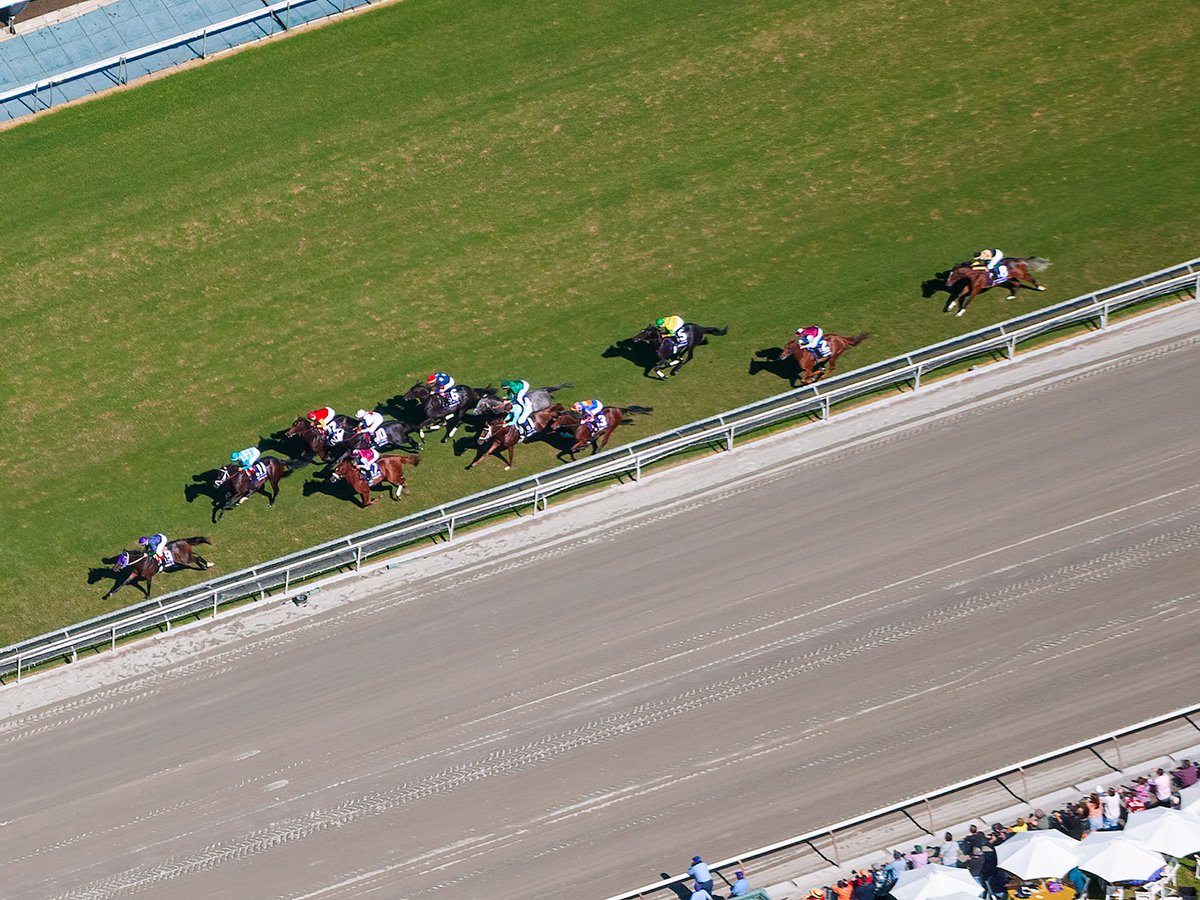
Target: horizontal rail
<point>883,811</point>
<point>349,552</point>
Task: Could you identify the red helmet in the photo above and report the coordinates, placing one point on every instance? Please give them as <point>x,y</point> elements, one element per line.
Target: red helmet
<point>431,379</point>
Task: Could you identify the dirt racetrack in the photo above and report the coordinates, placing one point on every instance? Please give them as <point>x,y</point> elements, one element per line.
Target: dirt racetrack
<point>732,652</point>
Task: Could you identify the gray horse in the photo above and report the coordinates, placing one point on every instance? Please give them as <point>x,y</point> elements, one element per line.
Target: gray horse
<point>539,399</point>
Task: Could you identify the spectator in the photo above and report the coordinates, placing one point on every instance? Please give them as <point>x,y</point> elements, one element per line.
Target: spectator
<point>1095,813</point>
<point>976,839</point>
<point>1162,788</point>
<point>699,871</point>
<point>1078,881</point>
<point>864,886</point>
<point>1040,820</point>
<point>975,865</point>
<point>918,857</point>
<point>1186,775</point>
<point>1110,808</point>
<point>701,893</point>
<point>1021,825</point>
<point>896,866</point>
<point>948,852</point>
<point>1134,803</point>
<point>843,890</point>
<point>740,886</point>
<point>817,894</point>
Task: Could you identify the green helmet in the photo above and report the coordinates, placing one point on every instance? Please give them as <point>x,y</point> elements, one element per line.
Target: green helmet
<point>511,385</point>
<point>660,322</point>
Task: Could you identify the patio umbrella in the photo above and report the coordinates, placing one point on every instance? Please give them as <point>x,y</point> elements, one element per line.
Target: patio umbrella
<point>932,881</point>
<point>1189,799</point>
<point>1037,854</point>
<point>1166,830</point>
<point>1115,857</point>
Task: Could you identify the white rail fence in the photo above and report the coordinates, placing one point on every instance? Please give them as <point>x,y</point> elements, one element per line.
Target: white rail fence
<point>39,95</point>
<point>923,802</point>
<point>283,575</point>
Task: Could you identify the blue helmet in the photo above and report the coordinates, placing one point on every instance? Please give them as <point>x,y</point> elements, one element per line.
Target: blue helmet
<point>233,457</point>
<point>143,540</point>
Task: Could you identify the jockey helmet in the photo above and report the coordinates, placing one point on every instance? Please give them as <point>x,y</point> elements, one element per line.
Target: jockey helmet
<point>432,378</point>
<point>143,540</point>
<point>233,457</point>
<point>660,322</point>
<point>578,406</point>
<point>361,414</point>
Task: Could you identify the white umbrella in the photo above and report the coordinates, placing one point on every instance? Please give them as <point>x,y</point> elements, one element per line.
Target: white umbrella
<point>1189,799</point>
<point>1115,857</point>
<point>1166,830</point>
<point>934,881</point>
<point>1037,854</point>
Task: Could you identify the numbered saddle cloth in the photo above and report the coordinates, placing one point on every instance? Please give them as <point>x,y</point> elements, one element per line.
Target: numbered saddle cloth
<point>371,473</point>
<point>379,437</point>
<point>822,350</point>
<point>335,435</point>
<point>526,429</point>
<point>453,398</point>
<point>997,275</point>
<point>258,474</point>
<point>597,423</point>
<point>167,558</point>
<point>679,341</point>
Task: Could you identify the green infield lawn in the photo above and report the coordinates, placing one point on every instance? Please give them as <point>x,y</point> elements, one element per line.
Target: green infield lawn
<point>501,190</point>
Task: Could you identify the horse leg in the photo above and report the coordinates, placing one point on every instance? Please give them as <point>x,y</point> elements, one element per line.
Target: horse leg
<point>484,455</point>
<point>452,426</point>
<point>512,450</point>
<point>1013,286</point>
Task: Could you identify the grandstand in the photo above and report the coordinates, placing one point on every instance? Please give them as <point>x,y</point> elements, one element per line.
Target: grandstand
<point>59,53</point>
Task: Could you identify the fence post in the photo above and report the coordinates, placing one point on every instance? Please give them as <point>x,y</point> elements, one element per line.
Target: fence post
<point>1012,347</point>
<point>637,468</point>
<point>358,558</point>
<point>1104,316</point>
<point>114,638</point>
<point>917,378</point>
<point>288,10</point>
<point>1196,290</point>
<point>729,439</point>
<point>450,529</point>
<point>204,44</point>
<point>215,603</point>
<point>824,409</point>
<point>18,668</point>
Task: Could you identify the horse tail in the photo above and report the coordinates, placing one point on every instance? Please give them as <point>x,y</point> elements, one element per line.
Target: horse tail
<point>717,331</point>
<point>199,539</point>
<point>1036,263</point>
<point>298,463</point>
<point>858,338</point>
<point>636,409</point>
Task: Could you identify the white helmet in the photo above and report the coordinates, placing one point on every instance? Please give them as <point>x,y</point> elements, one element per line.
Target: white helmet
<point>361,414</point>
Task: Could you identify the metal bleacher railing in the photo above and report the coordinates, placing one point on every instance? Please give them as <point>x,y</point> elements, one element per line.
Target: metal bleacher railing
<point>923,802</point>
<point>284,574</point>
<point>279,16</point>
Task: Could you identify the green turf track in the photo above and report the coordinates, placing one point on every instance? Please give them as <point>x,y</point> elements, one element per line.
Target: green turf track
<point>500,189</point>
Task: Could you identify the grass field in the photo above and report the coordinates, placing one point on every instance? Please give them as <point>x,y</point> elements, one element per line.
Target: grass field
<point>501,190</point>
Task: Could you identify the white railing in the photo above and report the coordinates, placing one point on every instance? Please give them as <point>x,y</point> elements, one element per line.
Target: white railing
<point>41,92</point>
<point>923,800</point>
<point>283,575</point>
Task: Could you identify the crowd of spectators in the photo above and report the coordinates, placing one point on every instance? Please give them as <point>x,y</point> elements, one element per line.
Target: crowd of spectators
<point>1104,810</point>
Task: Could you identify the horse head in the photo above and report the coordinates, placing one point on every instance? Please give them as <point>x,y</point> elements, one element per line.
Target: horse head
<point>341,470</point>
<point>491,431</point>
<point>122,560</point>
<point>300,426</point>
<point>223,475</point>
<point>418,392</point>
<point>646,336</point>
<point>791,348</point>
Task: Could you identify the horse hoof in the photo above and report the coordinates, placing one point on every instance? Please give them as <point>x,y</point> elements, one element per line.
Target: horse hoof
<point>1041,287</point>
<point>506,468</point>
<point>1011,297</point>
<point>959,313</point>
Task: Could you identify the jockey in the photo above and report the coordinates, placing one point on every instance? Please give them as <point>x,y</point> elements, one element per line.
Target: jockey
<point>324,418</point>
<point>365,459</point>
<point>670,326</point>
<point>589,410</point>
<point>440,383</point>
<point>990,260</point>
<point>155,545</point>
<point>522,409</point>
<point>812,339</point>
<point>369,421</point>
<point>245,459</point>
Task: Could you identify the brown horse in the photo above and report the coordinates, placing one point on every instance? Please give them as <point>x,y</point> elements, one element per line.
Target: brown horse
<point>142,565</point>
<point>813,369</point>
<point>234,486</point>
<point>497,436</point>
<point>315,442</point>
<point>613,416</point>
<point>967,280</point>
<point>391,470</point>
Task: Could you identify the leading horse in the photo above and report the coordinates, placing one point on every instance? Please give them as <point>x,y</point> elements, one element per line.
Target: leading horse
<point>966,281</point>
<point>144,566</point>
<point>671,351</point>
<point>813,369</point>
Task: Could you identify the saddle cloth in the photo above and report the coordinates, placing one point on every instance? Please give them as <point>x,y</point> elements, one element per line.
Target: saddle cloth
<point>372,474</point>
<point>526,430</point>
<point>379,437</point>
<point>258,474</point>
<point>597,423</point>
<point>334,435</point>
<point>453,398</point>
<point>168,558</point>
<point>679,342</point>
<point>823,350</point>
<point>998,275</point>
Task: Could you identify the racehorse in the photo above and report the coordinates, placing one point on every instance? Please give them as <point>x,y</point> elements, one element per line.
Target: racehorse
<point>967,280</point>
<point>439,412</point>
<point>391,469</point>
<point>537,398</point>
<point>813,369</point>
<point>497,436</point>
<point>145,566</point>
<point>670,353</point>
<point>397,435</point>
<point>315,442</point>
<point>569,420</point>
<point>234,484</point>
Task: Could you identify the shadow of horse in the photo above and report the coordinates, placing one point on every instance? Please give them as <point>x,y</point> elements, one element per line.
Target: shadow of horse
<point>767,360</point>
<point>931,287</point>
<point>97,574</point>
<point>202,486</point>
<point>638,353</point>
<point>339,490</point>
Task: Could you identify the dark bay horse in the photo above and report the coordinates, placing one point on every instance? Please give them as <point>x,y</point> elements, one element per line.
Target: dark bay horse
<point>315,442</point>
<point>391,469</point>
<point>967,280</point>
<point>396,435</point>
<point>234,485</point>
<point>569,420</point>
<point>671,353</point>
<point>497,436</point>
<point>813,369</point>
<point>141,565</point>
<point>441,411</point>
